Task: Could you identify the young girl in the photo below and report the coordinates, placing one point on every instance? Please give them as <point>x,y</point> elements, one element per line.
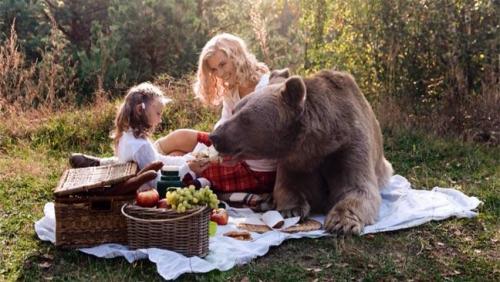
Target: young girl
<point>137,118</point>
<point>227,72</point>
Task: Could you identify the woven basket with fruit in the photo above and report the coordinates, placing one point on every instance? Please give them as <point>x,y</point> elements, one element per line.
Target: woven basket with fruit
<point>179,222</point>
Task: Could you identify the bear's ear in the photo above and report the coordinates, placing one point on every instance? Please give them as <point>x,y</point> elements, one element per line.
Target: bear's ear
<point>294,92</point>
<point>283,73</point>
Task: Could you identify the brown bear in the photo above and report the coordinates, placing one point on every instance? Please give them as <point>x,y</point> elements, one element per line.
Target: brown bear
<point>327,142</point>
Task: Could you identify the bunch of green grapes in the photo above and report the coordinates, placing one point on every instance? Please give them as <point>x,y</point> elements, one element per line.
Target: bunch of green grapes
<point>206,196</point>
<point>183,199</point>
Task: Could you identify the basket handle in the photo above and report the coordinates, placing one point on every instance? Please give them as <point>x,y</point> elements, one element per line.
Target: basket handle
<point>160,220</point>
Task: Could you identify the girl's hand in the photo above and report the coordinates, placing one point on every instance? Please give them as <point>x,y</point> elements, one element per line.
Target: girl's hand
<point>198,165</point>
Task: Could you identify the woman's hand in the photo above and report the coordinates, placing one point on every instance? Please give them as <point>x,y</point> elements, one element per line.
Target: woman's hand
<point>198,165</point>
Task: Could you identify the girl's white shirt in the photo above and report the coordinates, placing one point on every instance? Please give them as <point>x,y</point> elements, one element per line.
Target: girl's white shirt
<point>143,152</point>
<point>228,104</point>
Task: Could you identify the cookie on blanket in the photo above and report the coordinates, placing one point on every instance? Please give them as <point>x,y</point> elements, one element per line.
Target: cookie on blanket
<point>254,227</point>
<point>239,235</point>
<point>306,225</point>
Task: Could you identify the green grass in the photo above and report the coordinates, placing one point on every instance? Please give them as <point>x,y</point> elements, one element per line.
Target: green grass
<point>455,249</point>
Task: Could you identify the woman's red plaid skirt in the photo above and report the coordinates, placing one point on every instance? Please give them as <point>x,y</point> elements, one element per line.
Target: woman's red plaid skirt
<point>238,178</point>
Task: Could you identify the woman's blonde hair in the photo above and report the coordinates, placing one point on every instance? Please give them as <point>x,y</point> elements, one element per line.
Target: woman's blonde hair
<point>128,117</point>
<point>210,89</point>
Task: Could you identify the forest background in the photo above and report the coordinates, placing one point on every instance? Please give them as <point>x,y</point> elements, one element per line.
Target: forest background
<point>425,64</point>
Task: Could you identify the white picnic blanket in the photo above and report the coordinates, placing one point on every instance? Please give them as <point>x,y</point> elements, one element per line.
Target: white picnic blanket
<point>402,207</point>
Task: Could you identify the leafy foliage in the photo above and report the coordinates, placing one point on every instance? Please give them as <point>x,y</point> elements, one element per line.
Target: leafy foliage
<point>434,58</point>
<point>435,62</point>
<point>31,26</point>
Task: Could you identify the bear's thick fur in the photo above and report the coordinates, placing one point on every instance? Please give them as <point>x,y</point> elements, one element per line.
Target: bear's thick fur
<point>326,139</point>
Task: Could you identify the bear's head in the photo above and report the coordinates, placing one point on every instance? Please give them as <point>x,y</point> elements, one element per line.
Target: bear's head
<point>265,123</point>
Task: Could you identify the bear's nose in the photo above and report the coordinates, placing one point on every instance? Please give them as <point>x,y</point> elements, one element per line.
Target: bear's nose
<point>214,138</point>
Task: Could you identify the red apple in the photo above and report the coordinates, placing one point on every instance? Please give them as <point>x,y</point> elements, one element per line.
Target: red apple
<point>162,204</point>
<point>219,216</point>
<point>147,199</point>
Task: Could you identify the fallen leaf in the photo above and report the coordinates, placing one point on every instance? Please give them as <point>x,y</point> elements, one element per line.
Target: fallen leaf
<point>48,257</point>
<point>45,264</point>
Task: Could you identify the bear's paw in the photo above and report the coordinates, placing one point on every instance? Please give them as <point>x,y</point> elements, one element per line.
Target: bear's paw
<point>302,211</point>
<point>342,220</point>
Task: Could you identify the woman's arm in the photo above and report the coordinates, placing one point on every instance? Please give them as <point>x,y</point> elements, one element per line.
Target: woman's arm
<point>227,112</point>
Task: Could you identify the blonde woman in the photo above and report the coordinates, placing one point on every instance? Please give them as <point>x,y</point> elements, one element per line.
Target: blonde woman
<point>227,72</point>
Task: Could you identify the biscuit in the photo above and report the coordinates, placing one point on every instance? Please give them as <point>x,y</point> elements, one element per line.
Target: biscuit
<point>239,235</point>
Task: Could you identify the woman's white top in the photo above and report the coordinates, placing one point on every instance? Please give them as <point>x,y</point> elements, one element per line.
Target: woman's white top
<point>143,152</point>
<point>228,104</point>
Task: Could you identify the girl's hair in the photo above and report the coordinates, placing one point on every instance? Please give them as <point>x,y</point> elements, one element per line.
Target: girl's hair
<point>128,117</point>
<point>210,89</point>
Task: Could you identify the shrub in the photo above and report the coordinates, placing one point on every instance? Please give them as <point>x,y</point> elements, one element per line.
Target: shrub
<point>47,83</point>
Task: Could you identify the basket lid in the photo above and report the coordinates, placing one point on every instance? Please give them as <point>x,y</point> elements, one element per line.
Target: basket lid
<point>77,180</point>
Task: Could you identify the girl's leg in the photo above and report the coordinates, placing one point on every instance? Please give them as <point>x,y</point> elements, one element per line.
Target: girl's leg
<point>77,160</point>
<point>178,142</point>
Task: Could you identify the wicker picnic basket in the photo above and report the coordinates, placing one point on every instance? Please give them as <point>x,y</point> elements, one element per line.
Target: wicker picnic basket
<point>83,217</point>
<point>185,233</point>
